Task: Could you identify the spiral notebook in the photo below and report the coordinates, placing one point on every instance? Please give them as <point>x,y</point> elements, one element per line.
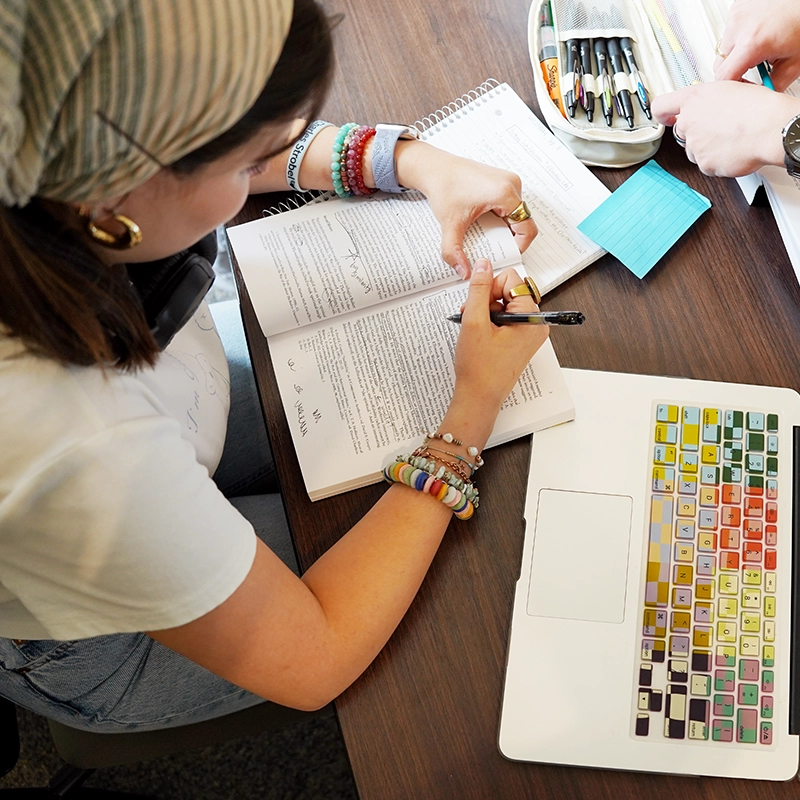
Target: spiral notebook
<point>353,296</point>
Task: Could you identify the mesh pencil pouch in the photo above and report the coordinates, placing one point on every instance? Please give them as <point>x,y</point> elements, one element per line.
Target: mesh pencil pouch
<point>599,63</point>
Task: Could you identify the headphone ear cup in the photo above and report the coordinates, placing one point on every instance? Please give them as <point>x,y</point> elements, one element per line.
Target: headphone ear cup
<point>179,297</point>
<point>171,289</point>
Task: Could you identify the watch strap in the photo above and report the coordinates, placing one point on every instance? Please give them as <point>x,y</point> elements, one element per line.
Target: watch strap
<point>384,171</point>
<point>792,166</point>
<point>789,159</point>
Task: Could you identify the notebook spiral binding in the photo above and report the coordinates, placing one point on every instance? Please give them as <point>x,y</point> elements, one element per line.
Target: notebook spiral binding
<point>426,126</point>
<point>461,105</point>
<point>297,200</point>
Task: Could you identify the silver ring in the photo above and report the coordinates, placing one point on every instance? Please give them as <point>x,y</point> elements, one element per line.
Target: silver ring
<point>681,141</point>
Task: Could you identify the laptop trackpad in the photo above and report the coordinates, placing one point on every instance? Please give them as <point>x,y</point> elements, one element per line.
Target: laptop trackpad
<point>580,556</point>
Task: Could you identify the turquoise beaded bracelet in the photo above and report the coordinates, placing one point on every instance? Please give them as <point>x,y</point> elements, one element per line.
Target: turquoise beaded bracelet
<point>336,159</point>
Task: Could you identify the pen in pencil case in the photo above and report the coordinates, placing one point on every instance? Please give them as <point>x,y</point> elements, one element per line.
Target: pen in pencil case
<point>636,76</point>
<point>540,318</point>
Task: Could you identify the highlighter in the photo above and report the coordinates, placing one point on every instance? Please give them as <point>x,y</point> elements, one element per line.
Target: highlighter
<point>548,57</point>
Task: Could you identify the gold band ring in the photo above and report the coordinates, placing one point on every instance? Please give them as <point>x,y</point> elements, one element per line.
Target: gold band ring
<point>520,213</point>
<point>527,288</point>
<point>718,51</point>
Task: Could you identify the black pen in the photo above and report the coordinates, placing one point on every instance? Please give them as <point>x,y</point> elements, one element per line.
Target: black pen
<point>570,81</point>
<point>636,76</point>
<point>587,96</point>
<point>601,54</point>
<point>540,318</point>
<point>620,79</point>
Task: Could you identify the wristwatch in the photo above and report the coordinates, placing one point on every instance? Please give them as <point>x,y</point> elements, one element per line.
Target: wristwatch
<point>383,166</point>
<point>791,146</point>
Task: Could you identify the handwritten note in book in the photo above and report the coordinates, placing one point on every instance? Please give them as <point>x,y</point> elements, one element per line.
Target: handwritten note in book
<point>644,217</point>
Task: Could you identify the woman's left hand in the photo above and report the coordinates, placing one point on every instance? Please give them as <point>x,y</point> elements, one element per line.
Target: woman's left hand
<point>459,191</point>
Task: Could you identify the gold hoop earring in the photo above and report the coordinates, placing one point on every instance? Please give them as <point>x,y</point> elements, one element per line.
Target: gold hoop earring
<point>129,239</point>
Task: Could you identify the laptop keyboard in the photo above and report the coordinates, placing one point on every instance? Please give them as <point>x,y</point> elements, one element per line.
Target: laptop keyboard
<point>708,620</point>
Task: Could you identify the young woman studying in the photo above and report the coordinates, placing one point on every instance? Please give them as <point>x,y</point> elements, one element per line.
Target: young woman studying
<point>141,578</point>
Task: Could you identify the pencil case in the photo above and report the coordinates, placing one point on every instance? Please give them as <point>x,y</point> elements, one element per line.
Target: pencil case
<point>673,42</point>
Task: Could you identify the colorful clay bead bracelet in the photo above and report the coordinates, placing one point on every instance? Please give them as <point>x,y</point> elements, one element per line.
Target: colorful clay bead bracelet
<point>435,484</point>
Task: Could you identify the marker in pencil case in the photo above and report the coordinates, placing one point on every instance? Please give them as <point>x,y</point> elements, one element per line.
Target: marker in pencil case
<point>548,57</point>
<point>763,71</point>
<point>539,318</point>
<point>622,93</point>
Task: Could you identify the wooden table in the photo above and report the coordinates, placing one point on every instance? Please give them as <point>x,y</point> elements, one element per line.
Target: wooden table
<point>422,722</point>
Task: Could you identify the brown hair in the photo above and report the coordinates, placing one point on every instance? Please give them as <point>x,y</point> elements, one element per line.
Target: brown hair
<point>62,301</point>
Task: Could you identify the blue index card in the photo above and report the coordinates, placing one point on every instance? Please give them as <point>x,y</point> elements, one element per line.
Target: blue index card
<point>644,217</point>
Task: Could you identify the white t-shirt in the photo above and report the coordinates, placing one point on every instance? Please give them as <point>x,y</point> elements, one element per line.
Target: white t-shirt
<point>109,521</point>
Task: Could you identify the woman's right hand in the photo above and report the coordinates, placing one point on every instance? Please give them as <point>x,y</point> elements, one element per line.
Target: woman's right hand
<point>489,358</point>
<point>757,31</point>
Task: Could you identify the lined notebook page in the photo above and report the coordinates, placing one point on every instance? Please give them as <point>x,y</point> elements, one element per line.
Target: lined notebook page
<point>498,128</point>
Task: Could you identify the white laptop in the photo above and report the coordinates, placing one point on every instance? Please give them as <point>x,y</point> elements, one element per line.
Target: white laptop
<point>653,624</point>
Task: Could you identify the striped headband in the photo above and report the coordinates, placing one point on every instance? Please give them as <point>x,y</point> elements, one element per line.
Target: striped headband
<point>96,94</point>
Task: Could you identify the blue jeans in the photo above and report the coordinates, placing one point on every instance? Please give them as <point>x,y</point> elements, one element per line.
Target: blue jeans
<point>128,682</point>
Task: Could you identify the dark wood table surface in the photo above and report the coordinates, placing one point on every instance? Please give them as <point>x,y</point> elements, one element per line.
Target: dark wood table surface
<point>723,304</point>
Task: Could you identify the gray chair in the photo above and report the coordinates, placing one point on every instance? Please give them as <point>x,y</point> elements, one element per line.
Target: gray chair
<point>84,752</point>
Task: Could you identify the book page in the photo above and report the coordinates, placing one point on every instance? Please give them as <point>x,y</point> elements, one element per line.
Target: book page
<point>499,129</point>
<point>325,259</point>
<point>362,388</point>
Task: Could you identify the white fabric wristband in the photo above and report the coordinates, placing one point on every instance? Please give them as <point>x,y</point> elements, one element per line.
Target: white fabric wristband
<point>299,151</point>
<point>383,167</point>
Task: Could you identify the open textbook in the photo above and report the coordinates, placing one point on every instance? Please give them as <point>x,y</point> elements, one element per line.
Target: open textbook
<point>353,296</point>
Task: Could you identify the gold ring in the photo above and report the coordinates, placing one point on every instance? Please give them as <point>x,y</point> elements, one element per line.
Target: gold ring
<point>527,288</point>
<point>520,213</point>
<point>718,51</point>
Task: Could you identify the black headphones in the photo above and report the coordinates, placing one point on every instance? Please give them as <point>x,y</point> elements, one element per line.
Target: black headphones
<point>171,289</point>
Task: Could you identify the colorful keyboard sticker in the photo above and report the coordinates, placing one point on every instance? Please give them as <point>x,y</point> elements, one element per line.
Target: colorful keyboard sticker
<point>706,653</point>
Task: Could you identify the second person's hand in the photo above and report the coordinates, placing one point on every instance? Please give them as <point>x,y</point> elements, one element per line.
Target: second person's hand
<point>757,31</point>
<point>730,128</point>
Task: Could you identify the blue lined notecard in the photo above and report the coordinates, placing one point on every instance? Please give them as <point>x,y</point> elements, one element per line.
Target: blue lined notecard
<point>644,217</point>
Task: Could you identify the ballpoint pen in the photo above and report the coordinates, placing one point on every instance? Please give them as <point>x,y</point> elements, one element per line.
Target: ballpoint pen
<point>539,318</point>
<point>587,78</point>
<point>548,56</point>
<point>620,81</point>
<point>601,54</point>
<point>636,76</point>
<point>570,78</point>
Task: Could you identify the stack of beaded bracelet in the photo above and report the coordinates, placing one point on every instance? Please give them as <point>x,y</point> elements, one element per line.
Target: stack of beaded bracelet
<point>450,439</point>
<point>347,160</point>
<point>426,475</point>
